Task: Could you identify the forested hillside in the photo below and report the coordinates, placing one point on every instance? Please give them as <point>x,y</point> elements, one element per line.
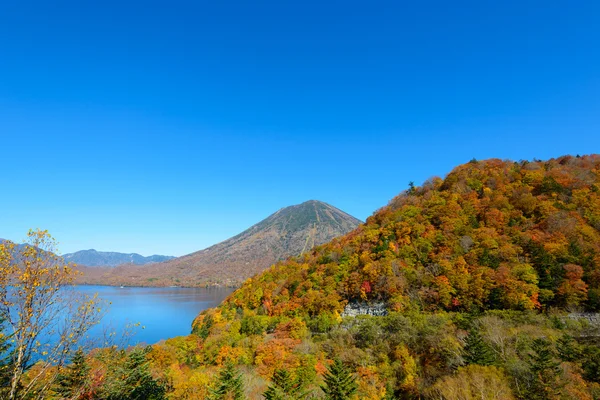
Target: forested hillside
<point>479,280</point>
<point>491,235</point>
<point>475,270</point>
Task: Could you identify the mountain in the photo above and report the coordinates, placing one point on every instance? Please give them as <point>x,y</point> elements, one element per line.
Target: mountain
<point>491,235</point>
<point>484,275</point>
<point>288,232</point>
<point>484,284</point>
<point>93,258</point>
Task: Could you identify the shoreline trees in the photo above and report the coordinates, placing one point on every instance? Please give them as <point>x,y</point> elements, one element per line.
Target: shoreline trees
<point>45,319</point>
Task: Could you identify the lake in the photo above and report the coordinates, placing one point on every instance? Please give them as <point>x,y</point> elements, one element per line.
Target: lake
<point>161,312</point>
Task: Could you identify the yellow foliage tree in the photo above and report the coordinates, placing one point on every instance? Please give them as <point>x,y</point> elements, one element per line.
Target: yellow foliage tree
<point>45,319</point>
<point>474,382</point>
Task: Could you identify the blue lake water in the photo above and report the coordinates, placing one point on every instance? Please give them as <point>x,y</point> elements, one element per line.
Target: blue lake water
<point>161,312</point>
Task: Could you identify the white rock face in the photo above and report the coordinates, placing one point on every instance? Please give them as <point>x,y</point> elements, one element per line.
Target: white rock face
<point>592,318</point>
<point>590,323</point>
<point>354,309</point>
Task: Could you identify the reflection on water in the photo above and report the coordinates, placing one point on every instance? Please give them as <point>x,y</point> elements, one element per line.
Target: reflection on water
<point>163,312</point>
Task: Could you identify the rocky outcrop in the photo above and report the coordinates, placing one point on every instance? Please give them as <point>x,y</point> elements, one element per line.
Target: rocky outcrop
<point>591,318</point>
<point>354,309</point>
<point>589,324</point>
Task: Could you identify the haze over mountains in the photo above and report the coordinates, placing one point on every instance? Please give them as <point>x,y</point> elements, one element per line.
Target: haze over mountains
<point>94,258</point>
<point>288,232</point>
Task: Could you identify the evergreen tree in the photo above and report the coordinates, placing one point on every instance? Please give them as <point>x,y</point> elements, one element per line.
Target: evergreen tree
<point>283,387</point>
<point>411,188</point>
<point>143,385</point>
<point>229,385</point>
<point>339,382</point>
<point>73,382</point>
<point>132,380</point>
<point>545,370</point>
<point>591,364</point>
<point>477,351</point>
<point>568,349</point>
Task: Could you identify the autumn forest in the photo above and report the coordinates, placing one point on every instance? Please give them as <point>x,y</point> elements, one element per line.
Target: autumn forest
<point>483,284</point>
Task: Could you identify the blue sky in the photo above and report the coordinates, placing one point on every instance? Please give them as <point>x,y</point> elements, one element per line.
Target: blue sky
<point>165,127</point>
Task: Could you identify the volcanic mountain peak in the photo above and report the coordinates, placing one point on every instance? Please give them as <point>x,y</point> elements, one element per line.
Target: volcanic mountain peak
<point>310,212</point>
<point>288,232</point>
<point>294,229</point>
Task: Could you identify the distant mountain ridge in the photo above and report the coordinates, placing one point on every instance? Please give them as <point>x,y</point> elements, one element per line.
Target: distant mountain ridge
<point>94,258</point>
<point>288,232</point>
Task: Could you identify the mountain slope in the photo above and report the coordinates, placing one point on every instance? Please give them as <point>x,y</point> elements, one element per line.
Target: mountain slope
<point>495,242</point>
<point>492,234</point>
<point>93,258</point>
<point>288,232</point>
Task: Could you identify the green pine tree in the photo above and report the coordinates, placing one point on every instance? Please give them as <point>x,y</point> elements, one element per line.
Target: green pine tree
<point>74,380</point>
<point>131,379</point>
<point>283,387</point>
<point>591,363</point>
<point>339,382</point>
<point>229,385</point>
<point>545,370</point>
<point>477,351</point>
<point>568,349</point>
<point>143,385</point>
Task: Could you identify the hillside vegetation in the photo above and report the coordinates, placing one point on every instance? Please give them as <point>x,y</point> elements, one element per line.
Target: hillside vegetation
<point>491,235</point>
<point>484,256</point>
<point>482,276</point>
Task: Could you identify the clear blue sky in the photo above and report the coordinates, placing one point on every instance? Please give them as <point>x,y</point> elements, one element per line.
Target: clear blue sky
<point>165,127</point>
